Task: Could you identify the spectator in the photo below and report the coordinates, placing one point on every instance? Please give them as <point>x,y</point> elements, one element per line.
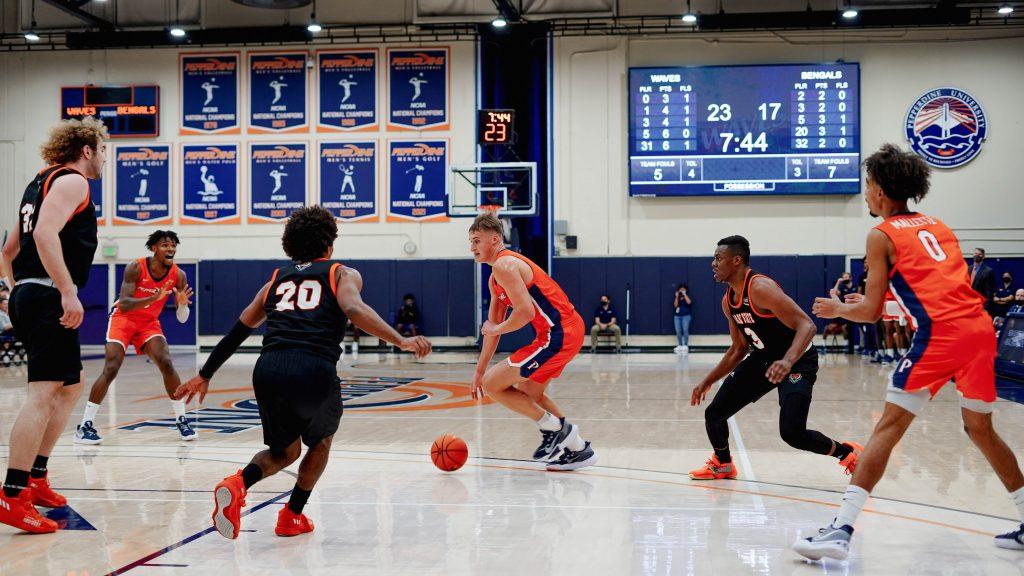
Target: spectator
<point>605,320</point>
<point>1002,298</point>
<point>407,322</point>
<point>682,304</point>
<point>844,286</point>
<point>868,332</point>
<point>1018,302</point>
<point>6,328</point>
<point>983,279</point>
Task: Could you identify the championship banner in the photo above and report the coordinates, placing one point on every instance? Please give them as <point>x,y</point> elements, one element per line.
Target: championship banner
<point>277,177</point>
<point>96,196</point>
<point>209,88</point>
<point>209,184</point>
<point>418,88</point>
<point>278,87</point>
<point>142,184</point>
<point>347,83</point>
<point>348,180</point>
<point>417,177</point>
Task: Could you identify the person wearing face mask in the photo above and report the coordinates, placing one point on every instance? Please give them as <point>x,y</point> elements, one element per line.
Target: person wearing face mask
<point>1018,302</point>
<point>605,320</point>
<point>1002,298</point>
<point>983,279</point>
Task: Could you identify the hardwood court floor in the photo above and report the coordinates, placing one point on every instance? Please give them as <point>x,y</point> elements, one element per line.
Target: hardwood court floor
<point>142,501</point>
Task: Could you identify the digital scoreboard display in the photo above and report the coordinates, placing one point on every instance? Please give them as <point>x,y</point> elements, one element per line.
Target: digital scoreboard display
<point>744,130</point>
<point>127,111</point>
<point>495,126</point>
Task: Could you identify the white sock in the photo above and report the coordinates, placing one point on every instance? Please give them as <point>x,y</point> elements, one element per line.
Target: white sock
<point>179,408</point>
<point>853,501</point>
<point>90,412</point>
<point>1018,499</point>
<point>549,422</point>
<point>576,442</point>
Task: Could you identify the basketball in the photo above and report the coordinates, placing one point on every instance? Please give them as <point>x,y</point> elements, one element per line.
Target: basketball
<point>449,452</point>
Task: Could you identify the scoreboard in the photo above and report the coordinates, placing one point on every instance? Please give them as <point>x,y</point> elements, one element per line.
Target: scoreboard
<point>127,111</point>
<point>744,130</point>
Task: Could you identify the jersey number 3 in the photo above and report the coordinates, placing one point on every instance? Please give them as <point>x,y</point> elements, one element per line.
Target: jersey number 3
<point>306,295</point>
<point>753,338</point>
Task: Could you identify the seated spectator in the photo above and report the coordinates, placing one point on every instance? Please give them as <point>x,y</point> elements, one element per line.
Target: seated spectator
<point>407,321</point>
<point>1002,298</point>
<point>682,305</point>
<point>6,328</point>
<point>605,320</point>
<point>1018,302</point>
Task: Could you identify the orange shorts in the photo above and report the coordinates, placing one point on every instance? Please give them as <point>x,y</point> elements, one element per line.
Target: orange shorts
<point>544,359</point>
<point>125,330</point>
<point>961,350</point>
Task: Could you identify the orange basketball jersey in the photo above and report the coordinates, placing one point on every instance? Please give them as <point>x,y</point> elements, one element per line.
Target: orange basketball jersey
<point>145,287</point>
<point>551,306</point>
<point>929,277</point>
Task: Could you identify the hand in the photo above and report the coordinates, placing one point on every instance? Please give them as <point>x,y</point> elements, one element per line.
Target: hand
<point>182,297</point>
<point>826,307</point>
<point>478,386</point>
<point>418,345</point>
<point>160,293</point>
<point>73,311</point>
<point>699,392</point>
<point>854,298</point>
<point>778,370</point>
<point>489,329</point>
<point>197,385</point>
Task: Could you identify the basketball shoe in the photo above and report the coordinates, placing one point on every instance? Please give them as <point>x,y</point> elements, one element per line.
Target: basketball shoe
<point>291,524</point>
<point>185,430</point>
<point>85,433</point>
<point>715,470</point>
<point>849,463</point>
<point>830,541</point>
<point>19,512</point>
<point>229,499</point>
<point>43,495</point>
<point>1012,540</point>
<point>573,460</point>
<point>554,440</point>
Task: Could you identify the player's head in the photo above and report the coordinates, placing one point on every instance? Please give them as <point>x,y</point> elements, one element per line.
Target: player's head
<point>164,244</point>
<point>486,237</point>
<point>78,142</point>
<point>310,234</point>
<point>894,177</point>
<point>732,254</point>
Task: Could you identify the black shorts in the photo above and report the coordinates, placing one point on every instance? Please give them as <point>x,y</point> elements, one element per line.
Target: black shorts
<point>750,376</point>
<point>299,396</point>
<point>54,352</point>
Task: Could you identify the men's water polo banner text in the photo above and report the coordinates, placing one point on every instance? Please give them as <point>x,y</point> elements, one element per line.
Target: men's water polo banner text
<point>209,183</point>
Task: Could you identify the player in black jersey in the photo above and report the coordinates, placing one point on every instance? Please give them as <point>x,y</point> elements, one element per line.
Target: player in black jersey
<point>765,322</point>
<point>305,305</point>
<point>50,252</point>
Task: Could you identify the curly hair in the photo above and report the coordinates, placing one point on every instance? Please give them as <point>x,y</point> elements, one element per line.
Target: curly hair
<point>901,175</point>
<point>68,138</point>
<point>159,235</point>
<point>310,231</point>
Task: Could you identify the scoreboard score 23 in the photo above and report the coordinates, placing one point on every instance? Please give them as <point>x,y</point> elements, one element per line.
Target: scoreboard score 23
<point>127,111</point>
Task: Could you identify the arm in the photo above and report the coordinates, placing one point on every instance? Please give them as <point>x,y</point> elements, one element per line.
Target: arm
<point>733,356</point>
<point>127,301</point>
<point>507,273</point>
<point>57,208</point>
<point>7,256</point>
<point>686,296</point>
<point>182,293</point>
<point>349,283</point>
<point>868,309</point>
<point>675,300</point>
<point>773,299</point>
<point>495,313</point>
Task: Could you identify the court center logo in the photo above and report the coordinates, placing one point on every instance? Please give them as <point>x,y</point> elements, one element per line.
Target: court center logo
<point>946,127</point>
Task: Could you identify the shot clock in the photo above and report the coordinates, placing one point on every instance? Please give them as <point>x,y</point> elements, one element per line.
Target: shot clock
<point>495,127</point>
<point>741,130</point>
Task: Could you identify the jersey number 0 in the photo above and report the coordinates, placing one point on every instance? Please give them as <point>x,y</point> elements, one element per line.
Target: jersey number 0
<point>306,295</point>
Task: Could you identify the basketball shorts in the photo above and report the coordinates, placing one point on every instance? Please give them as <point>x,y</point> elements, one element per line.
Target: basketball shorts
<point>299,396</point>
<point>54,352</point>
<point>962,350</point>
<point>749,376</point>
<point>544,359</point>
<point>124,330</point>
<point>893,312</point>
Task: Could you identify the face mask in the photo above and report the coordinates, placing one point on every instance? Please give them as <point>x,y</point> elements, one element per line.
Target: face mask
<point>1007,279</point>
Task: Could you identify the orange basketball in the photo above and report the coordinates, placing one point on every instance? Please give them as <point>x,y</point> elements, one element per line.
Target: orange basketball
<point>449,452</point>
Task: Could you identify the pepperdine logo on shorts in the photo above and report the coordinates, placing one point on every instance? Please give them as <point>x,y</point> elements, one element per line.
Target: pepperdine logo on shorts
<point>359,393</point>
<point>946,126</point>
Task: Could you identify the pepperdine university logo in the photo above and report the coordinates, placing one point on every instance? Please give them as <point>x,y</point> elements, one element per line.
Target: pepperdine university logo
<point>946,126</point>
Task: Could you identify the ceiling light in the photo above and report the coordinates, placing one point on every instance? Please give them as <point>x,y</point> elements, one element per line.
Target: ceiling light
<point>849,13</point>
<point>31,36</point>
<point>689,17</point>
<point>177,31</point>
<point>499,22</point>
<point>1005,9</point>
<point>314,27</point>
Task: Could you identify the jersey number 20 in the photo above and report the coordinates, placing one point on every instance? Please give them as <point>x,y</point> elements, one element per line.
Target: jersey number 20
<point>306,295</point>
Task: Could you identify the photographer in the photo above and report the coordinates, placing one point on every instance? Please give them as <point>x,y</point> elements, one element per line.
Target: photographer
<point>682,305</point>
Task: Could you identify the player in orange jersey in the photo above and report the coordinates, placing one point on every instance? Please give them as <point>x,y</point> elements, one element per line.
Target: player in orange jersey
<point>919,258</point>
<point>519,383</point>
<point>147,284</point>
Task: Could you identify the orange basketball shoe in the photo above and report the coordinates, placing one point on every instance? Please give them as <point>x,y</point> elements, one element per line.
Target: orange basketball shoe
<point>229,499</point>
<point>43,495</point>
<point>714,470</point>
<point>291,524</point>
<point>20,513</point>
<point>849,463</point>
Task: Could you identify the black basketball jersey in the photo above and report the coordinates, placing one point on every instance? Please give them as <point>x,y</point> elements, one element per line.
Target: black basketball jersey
<point>302,310</point>
<point>77,237</point>
<point>766,335</point>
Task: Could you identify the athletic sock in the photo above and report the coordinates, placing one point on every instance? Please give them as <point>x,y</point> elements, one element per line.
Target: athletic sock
<point>723,455</point>
<point>179,408</point>
<point>251,474</point>
<point>298,500</point>
<point>853,501</point>
<point>90,412</point>
<point>17,480</point>
<point>39,466</point>
<point>576,442</point>
<point>1018,499</point>
<point>841,450</point>
<point>549,422</point>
